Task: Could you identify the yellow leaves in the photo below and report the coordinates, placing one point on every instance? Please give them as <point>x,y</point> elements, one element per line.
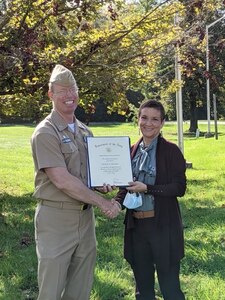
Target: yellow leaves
<point>53,53</point>
<point>33,81</point>
<point>26,80</point>
<point>49,48</point>
<point>119,105</point>
<point>172,88</point>
<point>121,112</point>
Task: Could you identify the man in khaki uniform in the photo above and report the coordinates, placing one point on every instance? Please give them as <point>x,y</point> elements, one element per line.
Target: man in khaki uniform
<point>64,219</point>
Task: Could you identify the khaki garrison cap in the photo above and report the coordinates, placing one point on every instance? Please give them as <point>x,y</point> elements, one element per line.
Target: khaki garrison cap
<point>62,76</point>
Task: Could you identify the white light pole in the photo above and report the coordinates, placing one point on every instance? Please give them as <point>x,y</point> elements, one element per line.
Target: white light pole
<point>207,69</point>
<point>179,102</point>
<point>179,108</point>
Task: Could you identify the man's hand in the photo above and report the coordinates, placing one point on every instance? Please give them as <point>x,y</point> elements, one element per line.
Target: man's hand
<point>111,209</point>
<point>106,188</point>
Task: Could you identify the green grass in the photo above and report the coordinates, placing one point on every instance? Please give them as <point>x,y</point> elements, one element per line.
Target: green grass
<point>203,210</point>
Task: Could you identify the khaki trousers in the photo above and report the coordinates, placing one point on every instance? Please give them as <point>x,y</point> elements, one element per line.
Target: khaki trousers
<point>66,251</point>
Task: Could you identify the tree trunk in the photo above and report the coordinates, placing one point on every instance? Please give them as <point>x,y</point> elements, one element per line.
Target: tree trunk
<point>193,116</point>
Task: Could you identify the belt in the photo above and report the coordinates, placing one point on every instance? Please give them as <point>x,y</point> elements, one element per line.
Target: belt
<point>64,205</point>
<point>143,214</point>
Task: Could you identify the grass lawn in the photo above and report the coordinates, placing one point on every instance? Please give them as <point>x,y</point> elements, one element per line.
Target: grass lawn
<point>203,210</point>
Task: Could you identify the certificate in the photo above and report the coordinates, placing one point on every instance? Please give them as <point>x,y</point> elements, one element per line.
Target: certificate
<point>109,161</point>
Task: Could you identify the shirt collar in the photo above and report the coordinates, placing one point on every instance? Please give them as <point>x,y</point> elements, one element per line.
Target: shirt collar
<point>61,124</point>
<point>150,146</point>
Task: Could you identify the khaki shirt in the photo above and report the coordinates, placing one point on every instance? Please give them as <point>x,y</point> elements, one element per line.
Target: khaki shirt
<point>55,145</point>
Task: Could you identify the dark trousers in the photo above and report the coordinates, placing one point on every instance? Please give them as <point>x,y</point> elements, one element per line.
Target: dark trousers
<point>144,267</point>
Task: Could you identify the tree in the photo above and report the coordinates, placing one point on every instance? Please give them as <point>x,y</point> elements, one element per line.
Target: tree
<point>190,40</point>
<point>108,54</point>
<point>111,46</point>
<point>193,49</point>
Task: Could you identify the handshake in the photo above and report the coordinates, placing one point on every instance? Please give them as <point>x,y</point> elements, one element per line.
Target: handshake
<point>111,209</point>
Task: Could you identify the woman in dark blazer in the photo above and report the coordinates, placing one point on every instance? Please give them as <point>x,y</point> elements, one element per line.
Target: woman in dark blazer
<point>153,239</point>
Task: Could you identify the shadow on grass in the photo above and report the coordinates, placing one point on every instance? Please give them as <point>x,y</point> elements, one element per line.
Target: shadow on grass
<point>198,262</point>
<point>18,263</point>
<point>200,182</point>
<point>107,291</point>
<point>17,211</point>
<point>204,238</point>
<point>203,216</point>
<point>109,234</point>
<point>17,247</point>
<point>202,258</point>
<point>109,125</point>
<point>19,125</point>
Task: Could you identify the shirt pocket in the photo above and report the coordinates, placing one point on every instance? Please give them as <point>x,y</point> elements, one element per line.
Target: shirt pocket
<point>68,148</point>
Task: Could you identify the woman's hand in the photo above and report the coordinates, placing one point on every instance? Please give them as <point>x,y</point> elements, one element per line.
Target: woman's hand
<point>137,187</point>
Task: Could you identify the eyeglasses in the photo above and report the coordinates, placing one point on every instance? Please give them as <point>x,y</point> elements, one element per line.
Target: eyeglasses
<point>72,91</point>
